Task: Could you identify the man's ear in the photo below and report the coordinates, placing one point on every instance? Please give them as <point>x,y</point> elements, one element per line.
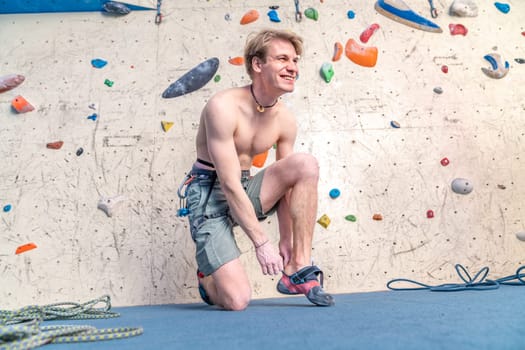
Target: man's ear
<point>256,64</point>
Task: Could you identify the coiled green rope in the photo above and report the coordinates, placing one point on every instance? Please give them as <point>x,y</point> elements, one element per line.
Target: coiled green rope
<point>22,329</point>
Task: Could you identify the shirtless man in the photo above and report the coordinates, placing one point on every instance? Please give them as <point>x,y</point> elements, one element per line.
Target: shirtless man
<point>235,125</point>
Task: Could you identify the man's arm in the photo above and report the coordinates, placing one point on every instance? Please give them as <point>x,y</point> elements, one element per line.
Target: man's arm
<point>220,128</point>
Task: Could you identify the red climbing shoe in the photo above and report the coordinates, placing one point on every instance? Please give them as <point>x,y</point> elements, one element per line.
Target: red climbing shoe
<point>305,282</point>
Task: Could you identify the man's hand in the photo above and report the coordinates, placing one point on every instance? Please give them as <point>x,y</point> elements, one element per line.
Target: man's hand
<point>271,262</point>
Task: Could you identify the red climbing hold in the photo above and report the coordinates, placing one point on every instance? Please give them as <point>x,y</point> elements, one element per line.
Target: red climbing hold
<point>444,69</point>
<point>445,161</point>
<point>457,29</point>
<point>55,145</point>
<point>430,214</point>
<point>368,32</point>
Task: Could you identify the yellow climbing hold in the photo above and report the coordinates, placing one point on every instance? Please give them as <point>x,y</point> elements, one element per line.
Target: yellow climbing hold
<point>166,125</point>
<point>324,221</point>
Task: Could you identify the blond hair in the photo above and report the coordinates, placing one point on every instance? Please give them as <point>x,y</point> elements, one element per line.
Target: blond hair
<point>257,45</point>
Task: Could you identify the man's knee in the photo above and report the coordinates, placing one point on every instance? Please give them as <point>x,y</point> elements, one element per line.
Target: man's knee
<point>307,164</point>
<point>237,301</point>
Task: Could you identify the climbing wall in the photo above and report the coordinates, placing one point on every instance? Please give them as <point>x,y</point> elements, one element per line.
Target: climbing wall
<point>391,138</point>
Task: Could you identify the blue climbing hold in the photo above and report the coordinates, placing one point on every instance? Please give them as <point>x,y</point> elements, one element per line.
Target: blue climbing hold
<point>183,212</point>
<point>274,16</point>
<point>350,14</point>
<point>505,8</point>
<point>93,117</point>
<point>334,193</point>
<point>7,208</point>
<point>98,62</point>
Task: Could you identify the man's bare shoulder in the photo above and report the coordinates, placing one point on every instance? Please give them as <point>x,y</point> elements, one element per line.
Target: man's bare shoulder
<point>226,97</point>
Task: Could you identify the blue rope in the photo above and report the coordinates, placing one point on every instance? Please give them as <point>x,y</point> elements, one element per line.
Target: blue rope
<point>478,282</point>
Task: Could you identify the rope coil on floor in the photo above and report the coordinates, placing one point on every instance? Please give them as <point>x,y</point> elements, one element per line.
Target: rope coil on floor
<point>23,329</point>
<point>478,282</point>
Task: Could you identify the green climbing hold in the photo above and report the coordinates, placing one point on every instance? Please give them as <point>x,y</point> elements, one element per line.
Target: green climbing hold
<point>327,72</point>
<point>311,13</point>
<point>351,218</point>
<point>217,78</point>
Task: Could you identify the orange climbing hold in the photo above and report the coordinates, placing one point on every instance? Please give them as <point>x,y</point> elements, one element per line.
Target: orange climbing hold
<point>24,248</point>
<point>361,55</point>
<point>259,160</point>
<point>338,51</point>
<point>377,217</point>
<point>21,105</point>
<point>236,61</point>
<point>250,16</point>
<point>55,145</point>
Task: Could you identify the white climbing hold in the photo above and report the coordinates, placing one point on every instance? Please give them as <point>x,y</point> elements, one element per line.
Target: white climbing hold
<point>109,204</point>
<point>462,186</point>
<point>521,235</point>
<point>463,8</point>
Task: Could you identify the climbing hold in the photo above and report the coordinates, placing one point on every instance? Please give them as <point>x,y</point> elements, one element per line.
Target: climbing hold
<point>228,17</point>
<point>55,145</point>
<point>444,69</point>
<point>395,124</point>
<point>519,60</point>
<point>109,205</point>
<point>108,82</point>
<point>259,159</point>
<point>92,106</point>
<point>334,193</point>
<point>217,78</point>
<point>21,105</point>
<point>430,214</point>
<point>24,248</point>
<point>93,117</point>
<point>274,16</point>
<point>499,69</point>
<point>363,56</point>
<point>236,61</point>
<point>166,125</point>
<point>505,8</point>
<point>98,62</point>
<point>377,217</point>
<point>311,13</point>
<point>398,11</point>
<point>327,72</point>
<point>368,32</point>
<point>462,186</point>
<point>438,90</point>
<point>338,51</point>
<point>520,235</point>
<point>194,79</point>
<point>350,14</point>
<point>351,218</point>
<point>501,187</point>
<point>324,221</point>
<point>457,29</point>
<point>250,16</point>
<point>117,8</point>
<point>445,161</point>
<point>7,208</point>
<point>464,8</point>
<point>10,81</point>
<point>80,150</point>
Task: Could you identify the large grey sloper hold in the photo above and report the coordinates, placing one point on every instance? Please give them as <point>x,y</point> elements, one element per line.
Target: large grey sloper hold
<point>462,186</point>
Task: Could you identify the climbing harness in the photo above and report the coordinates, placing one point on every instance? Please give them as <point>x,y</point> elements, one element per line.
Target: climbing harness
<point>158,17</point>
<point>433,10</point>
<point>23,329</point>
<point>298,14</point>
<point>478,282</point>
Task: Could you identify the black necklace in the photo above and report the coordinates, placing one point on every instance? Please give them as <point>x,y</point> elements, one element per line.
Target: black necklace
<point>260,107</point>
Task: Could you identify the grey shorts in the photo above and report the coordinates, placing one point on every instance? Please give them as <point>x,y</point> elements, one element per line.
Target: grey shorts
<point>211,223</point>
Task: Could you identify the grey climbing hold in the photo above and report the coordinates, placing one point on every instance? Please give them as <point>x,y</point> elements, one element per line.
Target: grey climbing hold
<point>521,235</point>
<point>462,186</point>
<point>463,8</point>
<point>109,204</point>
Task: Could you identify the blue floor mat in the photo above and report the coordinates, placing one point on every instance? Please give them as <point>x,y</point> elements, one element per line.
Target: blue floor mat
<point>491,319</point>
